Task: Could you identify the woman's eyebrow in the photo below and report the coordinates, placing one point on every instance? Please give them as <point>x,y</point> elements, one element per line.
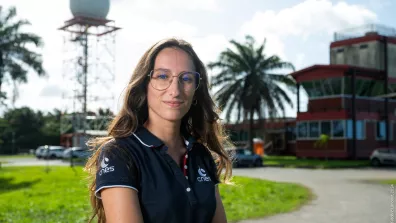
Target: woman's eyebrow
<point>164,69</point>
<point>183,71</point>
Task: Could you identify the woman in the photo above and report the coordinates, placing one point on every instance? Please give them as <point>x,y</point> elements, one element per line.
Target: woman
<point>157,165</point>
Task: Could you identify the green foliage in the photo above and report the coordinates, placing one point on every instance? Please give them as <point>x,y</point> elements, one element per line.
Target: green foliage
<point>250,83</point>
<point>16,57</point>
<point>23,128</point>
<point>28,194</point>
<point>322,141</point>
<point>249,80</point>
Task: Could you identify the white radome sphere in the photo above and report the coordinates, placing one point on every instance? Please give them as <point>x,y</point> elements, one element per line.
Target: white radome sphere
<point>97,9</point>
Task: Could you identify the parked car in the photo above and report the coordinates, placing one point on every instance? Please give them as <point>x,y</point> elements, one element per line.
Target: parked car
<point>245,157</point>
<point>40,152</point>
<point>383,156</point>
<point>49,152</point>
<point>78,152</point>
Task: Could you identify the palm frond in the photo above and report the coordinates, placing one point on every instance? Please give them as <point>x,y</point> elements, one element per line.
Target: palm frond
<point>17,58</point>
<point>283,96</point>
<point>17,73</point>
<point>284,79</point>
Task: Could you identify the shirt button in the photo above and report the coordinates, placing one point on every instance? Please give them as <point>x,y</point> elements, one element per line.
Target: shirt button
<point>185,167</point>
<point>186,177</point>
<point>188,189</point>
<point>186,155</point>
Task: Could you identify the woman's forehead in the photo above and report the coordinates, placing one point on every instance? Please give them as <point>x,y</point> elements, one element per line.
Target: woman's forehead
<point>173,59</point>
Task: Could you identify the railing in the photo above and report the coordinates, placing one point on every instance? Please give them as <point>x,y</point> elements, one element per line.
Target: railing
<point>363,30</point>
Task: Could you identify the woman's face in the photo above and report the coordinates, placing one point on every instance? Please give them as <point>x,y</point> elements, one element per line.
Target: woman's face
<point>172,85</point>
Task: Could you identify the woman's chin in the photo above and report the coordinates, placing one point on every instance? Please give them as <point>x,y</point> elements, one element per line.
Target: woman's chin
<point>173,116</point>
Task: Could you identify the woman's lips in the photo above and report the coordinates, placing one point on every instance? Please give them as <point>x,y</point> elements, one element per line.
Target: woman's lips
<point>173,104</point>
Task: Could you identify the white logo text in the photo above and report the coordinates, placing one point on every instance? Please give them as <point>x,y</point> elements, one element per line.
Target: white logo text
<point>105,169</point>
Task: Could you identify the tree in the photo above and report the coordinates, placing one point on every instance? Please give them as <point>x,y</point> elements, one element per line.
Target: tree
<point>15,56</point>
<point>22,131</point>
<point>23,128</point>
<point>249,83</point>
<point>105,112</point>
<point>323,142</point>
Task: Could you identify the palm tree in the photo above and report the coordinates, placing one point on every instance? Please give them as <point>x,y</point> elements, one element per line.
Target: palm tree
<point>15,56</point>
<point>249,83</point>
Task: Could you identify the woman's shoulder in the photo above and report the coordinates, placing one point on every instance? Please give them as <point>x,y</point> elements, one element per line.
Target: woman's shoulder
<point>121,146</point>
<point>202,150</point>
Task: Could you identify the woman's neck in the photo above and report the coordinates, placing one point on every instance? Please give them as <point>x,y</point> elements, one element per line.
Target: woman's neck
<point>168,132</point>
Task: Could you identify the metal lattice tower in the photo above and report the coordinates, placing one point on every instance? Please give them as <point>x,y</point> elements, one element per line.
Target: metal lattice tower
<point>88,74</point>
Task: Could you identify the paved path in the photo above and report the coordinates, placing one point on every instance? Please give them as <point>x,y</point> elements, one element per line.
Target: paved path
<point>341,195</point>
<point>33,162</point>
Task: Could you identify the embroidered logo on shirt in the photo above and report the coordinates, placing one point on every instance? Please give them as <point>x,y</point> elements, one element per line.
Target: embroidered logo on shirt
<point>103,164</point>
<point>202,176</point>
<point>201,172</point>
<point>105,169</point>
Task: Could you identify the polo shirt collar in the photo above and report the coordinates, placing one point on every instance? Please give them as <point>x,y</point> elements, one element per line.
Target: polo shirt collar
<point>146,138</point>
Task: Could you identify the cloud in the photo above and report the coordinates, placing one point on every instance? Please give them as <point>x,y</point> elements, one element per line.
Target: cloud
<point>311,17</point>
<point>299,62</point>
<point>51,91</point>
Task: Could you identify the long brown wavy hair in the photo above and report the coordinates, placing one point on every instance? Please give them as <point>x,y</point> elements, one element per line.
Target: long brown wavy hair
<point>201,121</point>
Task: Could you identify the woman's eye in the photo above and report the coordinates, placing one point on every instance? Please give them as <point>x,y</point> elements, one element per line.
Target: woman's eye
<point>187,78</point>
<point>162,76</point>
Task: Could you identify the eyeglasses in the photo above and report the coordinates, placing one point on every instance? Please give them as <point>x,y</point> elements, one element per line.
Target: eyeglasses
<point>161,79</point>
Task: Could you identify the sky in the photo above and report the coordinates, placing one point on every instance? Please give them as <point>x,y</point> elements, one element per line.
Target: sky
<point>299,32</point>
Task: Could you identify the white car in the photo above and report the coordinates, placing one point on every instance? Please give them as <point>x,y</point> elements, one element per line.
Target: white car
<point>40,152</point>
<point>77,152</point>
<point>50,152</point>
<point>383,156</point>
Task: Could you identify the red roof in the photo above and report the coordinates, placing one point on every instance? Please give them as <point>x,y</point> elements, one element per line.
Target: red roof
<point>334,70</point>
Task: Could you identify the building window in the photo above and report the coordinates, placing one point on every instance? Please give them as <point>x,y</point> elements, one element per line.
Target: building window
<point>291,133</point>
<point>380,130</point>
<point>338,129</point>
<point>347,86</point>
<point>314,129</point>
<point>336,85</point>
<point>363,46</point>
<point>377,88</point>
<point>325,128</point>
<point>323,88</point>
<point>360,129</point>
<point>317,90</point>
<point>302,130</point>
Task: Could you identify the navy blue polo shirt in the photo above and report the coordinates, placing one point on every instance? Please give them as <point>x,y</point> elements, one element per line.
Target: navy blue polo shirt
<point>167,192</point>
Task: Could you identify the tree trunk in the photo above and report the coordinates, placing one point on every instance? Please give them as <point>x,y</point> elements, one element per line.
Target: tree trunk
<point>251,130</point>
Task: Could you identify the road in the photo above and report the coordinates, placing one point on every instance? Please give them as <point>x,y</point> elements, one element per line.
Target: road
<point>342,195</point>
<point>33,162</point>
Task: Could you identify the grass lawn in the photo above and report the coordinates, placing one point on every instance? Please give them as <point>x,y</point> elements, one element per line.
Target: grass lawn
<point>388,181</point>
<point>383,181</point>
<point>29,194</point>
<point>292,161</point>
<point>5,157</point>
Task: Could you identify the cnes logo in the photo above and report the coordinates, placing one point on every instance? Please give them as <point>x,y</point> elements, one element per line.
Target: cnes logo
<point>202,175</point>
<point>105,168</point>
